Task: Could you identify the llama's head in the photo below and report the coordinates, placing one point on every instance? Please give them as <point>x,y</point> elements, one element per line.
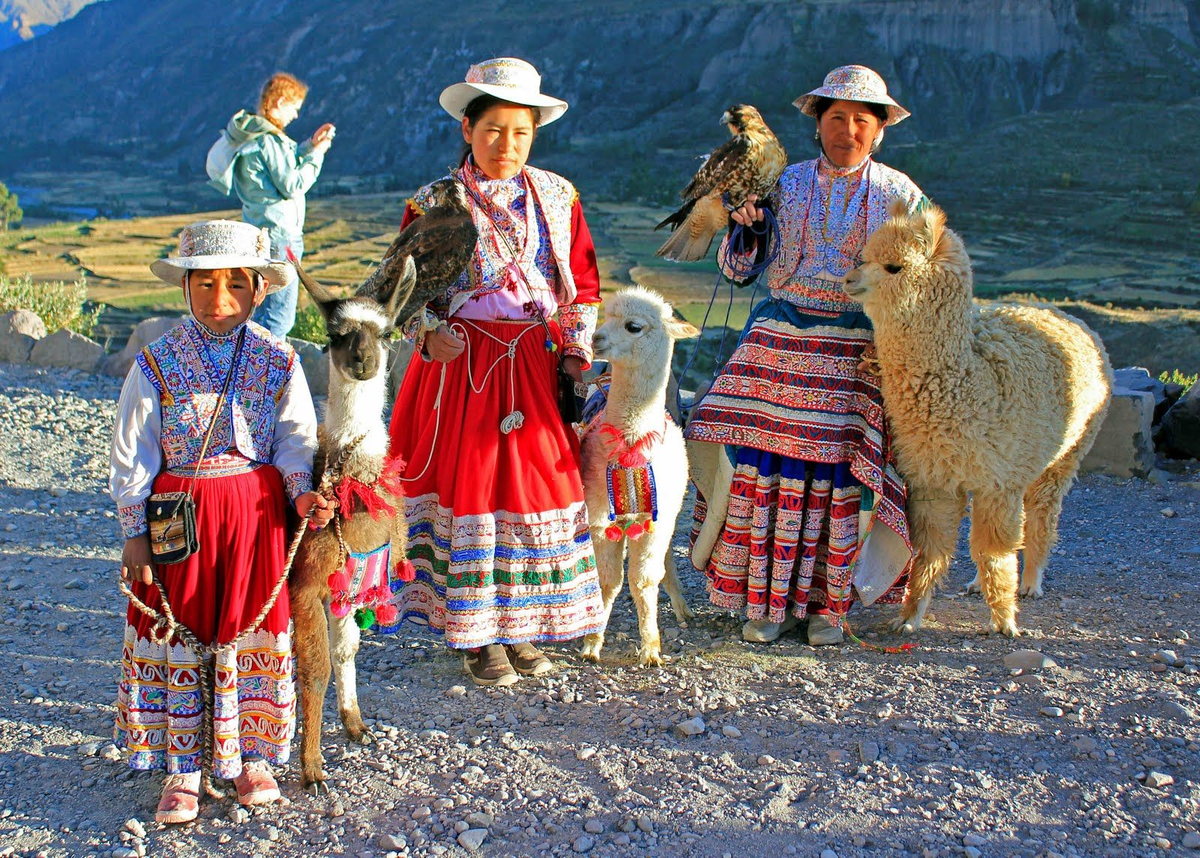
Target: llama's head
<point>909,263</point>
<point>639,329</point>
<point>358,325</point>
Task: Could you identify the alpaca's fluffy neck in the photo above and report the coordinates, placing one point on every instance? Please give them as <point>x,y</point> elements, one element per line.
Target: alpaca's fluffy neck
<point>355,408</point>
<point>928,343</point>
<point>637,397</point>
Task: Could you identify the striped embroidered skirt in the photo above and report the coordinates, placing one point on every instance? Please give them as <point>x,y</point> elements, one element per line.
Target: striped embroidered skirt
<point>497,528</point>
<point>241,523</point>
<point>809,436</point>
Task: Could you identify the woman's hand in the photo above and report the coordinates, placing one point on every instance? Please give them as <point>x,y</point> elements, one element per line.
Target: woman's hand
<point>443,344</point>
<point>574,367</point>
<point>748,212</point>
<point>322,138</point>
<point>137,563</point>
<point>321,507</point>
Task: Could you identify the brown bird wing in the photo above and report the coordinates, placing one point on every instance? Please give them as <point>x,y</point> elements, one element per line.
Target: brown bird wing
<point>441,244</point>
<point>711,174</point>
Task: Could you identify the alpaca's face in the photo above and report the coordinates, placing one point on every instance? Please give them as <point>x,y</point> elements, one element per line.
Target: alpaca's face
<point>638,328</point>
<point>905,262</point>
<point>356,328</point>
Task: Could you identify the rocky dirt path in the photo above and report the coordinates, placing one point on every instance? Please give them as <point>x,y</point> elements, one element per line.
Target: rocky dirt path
<point>946,750</point>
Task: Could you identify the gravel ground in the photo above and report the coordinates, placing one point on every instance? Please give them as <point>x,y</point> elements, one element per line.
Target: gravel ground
<point>945,750</point>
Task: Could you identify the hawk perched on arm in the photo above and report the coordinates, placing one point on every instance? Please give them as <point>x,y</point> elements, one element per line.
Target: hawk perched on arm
<point>441,243</point>
<point>748,163</point>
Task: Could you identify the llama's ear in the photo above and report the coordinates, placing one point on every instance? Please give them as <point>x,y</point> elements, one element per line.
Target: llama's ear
<point>931,226</point>
<point>324,298</point>
<point>404,288</point>
<point>680,329</point>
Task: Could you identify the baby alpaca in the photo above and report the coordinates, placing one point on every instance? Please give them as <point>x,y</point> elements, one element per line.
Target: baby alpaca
<point>1000,403</point>
<point>633,431</point>
<point>342,574</point>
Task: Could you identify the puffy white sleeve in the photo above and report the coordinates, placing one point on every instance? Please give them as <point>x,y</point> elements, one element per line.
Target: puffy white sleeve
<point>295,440</point>
<point>136,455</point>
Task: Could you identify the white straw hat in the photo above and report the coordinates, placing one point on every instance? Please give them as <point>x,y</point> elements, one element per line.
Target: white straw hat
<point>212,244</point>
<point>508,79</point>
<point>853,83</point>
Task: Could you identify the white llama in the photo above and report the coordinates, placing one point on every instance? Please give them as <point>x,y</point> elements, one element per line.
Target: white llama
<point>635,465</point>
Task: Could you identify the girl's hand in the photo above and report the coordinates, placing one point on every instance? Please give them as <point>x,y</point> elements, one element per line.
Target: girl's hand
<point>137,563</point>
<point>748,212</point>
<point>321,507</point>
<point>323,137</point>
<point>444,345</point>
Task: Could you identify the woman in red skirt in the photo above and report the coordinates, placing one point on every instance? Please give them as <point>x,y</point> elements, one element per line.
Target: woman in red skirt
<point>258,458</point>
<point>498,531</point>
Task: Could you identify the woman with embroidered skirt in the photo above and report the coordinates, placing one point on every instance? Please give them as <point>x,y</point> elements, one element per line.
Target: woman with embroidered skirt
<point>803,420</point>
<point>498,531</point>
<point>257,456</point>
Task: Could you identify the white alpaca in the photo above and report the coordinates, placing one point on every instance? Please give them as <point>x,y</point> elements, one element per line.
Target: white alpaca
<point>637,339</point>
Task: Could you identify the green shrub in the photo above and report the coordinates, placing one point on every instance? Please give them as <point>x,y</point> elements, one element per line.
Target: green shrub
<point>1177,377</point>
<point>309,325</point>
<point>59,305</point>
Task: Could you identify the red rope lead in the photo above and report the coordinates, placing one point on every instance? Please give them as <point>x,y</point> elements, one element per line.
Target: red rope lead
<point>890,650</point>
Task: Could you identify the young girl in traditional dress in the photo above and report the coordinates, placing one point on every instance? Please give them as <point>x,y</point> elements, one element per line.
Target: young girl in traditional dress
<point>498,531</point>
<point>259,458</point>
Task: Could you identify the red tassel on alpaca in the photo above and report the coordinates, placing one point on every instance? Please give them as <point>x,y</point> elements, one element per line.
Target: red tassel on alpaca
<point>338,582</point>
<point>386,615</point>
<point>405,571</point>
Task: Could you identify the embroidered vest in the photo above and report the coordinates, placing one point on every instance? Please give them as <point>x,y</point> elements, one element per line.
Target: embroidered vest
<point>820,243</point>
<point>188,376</point>
<point>555,198</point>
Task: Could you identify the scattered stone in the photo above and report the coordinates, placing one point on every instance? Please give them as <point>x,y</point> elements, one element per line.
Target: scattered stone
<point>585,753</point>
<point>134,826</point>
<point>1168,656</point>
<point>238,815</point>
<point>645,824</point>
<point>828,853</point>
<point>472,839</point>
<point>1052,711</point>
<point>731,732</point>
<point>1167,512</point>
<point>583,843</point>
<point>691,727</point>
<point>393,842</point>
<point>973,839</point>
<point>1028,660</point>
<point>1191,840</point>
<point>766,760</point>
<point>868,752</point>
<point>480,820</point>
<point>1124,446</point>
<point>1158,780</point>
<point>456,691</point>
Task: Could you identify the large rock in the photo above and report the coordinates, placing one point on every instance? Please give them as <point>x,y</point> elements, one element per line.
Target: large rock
<point>1124,447</point>
<point>146,332</point>
<point>67,349</point>
<point>1180,432</point>
<point>19,331</point>
<point>1139,378</point>
<point>316,366</point>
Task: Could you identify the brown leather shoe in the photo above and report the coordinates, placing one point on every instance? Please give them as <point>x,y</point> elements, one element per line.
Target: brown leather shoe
<point>527,659</point>
<point>488,666</point>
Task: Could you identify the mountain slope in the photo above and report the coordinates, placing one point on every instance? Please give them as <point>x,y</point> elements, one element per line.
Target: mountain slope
<point>149,85</point>
<point>21,20</point>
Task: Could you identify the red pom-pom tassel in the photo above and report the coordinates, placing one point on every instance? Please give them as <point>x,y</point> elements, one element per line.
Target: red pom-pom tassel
<point>405,571</point>
<point>339,582</point>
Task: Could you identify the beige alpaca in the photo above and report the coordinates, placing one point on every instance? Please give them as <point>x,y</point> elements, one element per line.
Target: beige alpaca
<point>637,339</point>
<point>1000,403</point>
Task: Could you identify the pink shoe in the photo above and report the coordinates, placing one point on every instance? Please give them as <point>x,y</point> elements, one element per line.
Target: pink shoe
<point>180,800</point>
<point>256,785</point>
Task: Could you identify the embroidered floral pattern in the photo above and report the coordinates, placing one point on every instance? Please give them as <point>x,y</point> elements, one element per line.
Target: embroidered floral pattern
<point>133,520</point>
<point>187,369</point>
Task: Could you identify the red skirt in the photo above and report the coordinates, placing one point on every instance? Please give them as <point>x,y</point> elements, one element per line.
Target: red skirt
<point>241,522</point>
<point>498,530</point>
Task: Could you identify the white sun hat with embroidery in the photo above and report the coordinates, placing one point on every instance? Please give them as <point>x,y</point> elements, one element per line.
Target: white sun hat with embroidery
<point>853,83</point>
<point>508,79</point>
<point>213,244</point>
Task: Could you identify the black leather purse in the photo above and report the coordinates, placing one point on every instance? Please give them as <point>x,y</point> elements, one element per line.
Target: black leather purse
<point>171,516</point>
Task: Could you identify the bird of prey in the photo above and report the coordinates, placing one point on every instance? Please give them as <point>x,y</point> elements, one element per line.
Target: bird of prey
<point>748,163</point>
<point>441,242</point>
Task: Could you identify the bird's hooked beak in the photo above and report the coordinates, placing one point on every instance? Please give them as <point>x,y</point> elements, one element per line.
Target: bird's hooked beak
<point>726,119</point>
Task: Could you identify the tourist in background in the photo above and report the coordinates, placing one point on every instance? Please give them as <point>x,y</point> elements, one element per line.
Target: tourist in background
<point>271,173</point>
